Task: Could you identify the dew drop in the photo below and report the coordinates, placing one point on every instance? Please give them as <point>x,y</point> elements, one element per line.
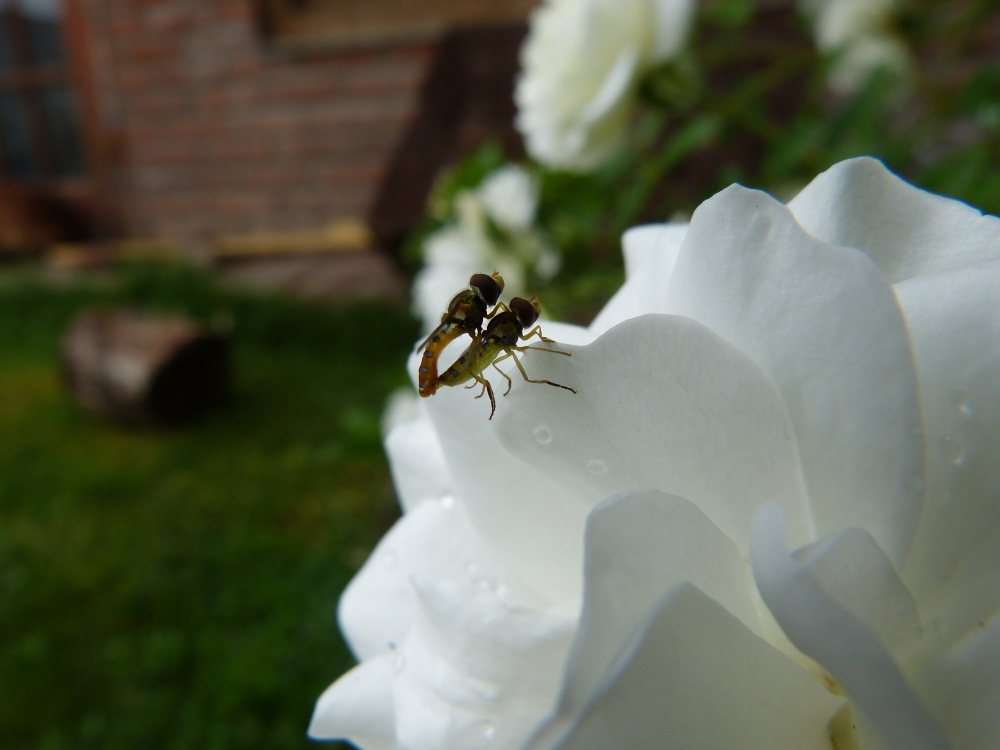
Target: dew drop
<point>390,558</point>
<point>596,467</point>
<point>488,728</point>
<point>543,435</point>
<point>960,400</point>
<point>953,449</point>
<point>448,502</point>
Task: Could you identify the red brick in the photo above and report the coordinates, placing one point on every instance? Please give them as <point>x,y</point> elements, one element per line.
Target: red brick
<point>223,134</point>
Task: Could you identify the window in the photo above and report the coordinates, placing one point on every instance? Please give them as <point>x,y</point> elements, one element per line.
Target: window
<point>352,22</point>
<point>39,112</point>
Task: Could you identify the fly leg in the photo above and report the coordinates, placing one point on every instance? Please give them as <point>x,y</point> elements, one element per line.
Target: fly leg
<point>501,307</point>
<point>537,331</point>
<point>488,389</point>
<point>473,384</point>
<point>525,375</point>
<point>540,349</point>
<point>476,370</point>
<point>510,382</point>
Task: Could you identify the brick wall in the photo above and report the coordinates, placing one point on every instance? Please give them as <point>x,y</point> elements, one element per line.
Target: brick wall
<point>208,130</point>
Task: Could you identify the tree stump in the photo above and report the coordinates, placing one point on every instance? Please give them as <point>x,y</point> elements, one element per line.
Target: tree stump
<point>137,368</point>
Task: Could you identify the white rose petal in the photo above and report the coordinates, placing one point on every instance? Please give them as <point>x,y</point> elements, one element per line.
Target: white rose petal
<point>535,523</point>
<point>672,542</point>
<point>954,323</point>
<point>907,231</point>
<point>963,683</point>
<point>380,606</point>
<point>419,469</point>
<point>683,412</point>
<point>475,668</point>
<point>889,714</point>
<point>824,325</point>
<point>650,255</point>
<point>694,675</point>
<point>359,706</point>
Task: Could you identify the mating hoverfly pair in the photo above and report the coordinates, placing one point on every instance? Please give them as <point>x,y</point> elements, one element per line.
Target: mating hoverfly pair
<point>465,315</point>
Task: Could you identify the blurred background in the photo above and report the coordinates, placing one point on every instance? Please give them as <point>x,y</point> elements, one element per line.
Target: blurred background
<point>310,181</point>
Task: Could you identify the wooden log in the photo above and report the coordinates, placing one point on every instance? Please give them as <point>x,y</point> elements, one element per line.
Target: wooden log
<point>137,368</point>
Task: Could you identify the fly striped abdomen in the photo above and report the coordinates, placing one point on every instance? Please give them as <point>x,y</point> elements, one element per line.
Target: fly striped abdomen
<point>427,374</point>
<point>470,364</point>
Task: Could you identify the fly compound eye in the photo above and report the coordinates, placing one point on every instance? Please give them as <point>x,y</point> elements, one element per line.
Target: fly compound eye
<point>525,311</point>
<point>487,286</point>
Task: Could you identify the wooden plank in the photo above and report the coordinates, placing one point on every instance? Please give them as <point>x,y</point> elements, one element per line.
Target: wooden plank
<point>349,23</point>
<point>345,235</point>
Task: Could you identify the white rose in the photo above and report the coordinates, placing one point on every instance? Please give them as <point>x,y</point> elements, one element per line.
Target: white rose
<point>611,568</point>
<point>860,32</point>
<point>580,64</point>
<point>510,197</point>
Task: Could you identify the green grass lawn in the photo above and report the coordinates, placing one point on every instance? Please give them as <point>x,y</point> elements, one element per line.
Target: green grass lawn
<point>177,588</point>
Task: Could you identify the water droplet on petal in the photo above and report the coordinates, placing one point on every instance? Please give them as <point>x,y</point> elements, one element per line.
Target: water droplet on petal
<point>448,502</point>
<point>390,558</point>
<point>953,449</point>
<point>596,467</point>
<point>543,435</point>
<point>960,400</point>
<point>488,728</point>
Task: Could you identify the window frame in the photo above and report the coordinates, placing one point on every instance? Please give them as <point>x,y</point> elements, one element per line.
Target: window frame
<point>30,82</point>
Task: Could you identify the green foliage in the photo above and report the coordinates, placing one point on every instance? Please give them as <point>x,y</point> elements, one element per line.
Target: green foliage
<point>177,588</point>
<point>729,13</point>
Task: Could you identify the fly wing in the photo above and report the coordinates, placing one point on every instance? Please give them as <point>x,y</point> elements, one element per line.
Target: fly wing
<point>436,332</point>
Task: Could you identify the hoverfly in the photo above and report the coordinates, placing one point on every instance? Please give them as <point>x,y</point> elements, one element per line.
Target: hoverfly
<point>501,335</point>
<point>465,314</point>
